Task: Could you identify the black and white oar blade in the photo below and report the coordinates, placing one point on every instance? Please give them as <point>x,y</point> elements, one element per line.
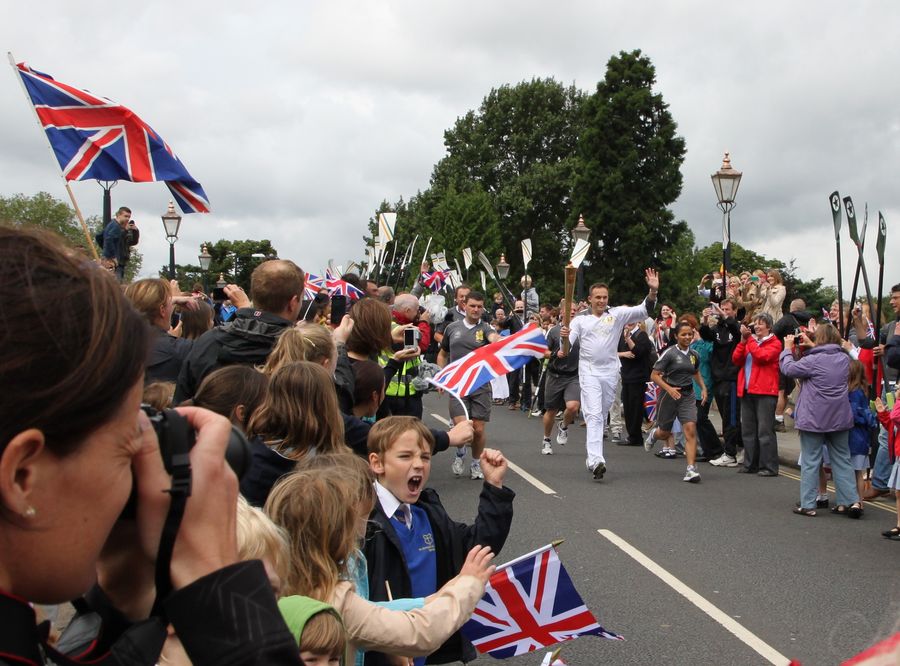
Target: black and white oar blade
<point>882,239</point>
<point>851,219</point>
<point>835,201</point>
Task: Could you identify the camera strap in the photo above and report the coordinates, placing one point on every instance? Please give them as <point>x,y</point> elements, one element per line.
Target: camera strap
<point>180,492</point>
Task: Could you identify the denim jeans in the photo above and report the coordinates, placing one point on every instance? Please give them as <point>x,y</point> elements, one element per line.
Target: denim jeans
<point>881,472</point>
<point>811,444</point>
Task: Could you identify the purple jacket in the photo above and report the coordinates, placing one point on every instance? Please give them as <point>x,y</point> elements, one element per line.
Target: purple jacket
<point>823,404</point>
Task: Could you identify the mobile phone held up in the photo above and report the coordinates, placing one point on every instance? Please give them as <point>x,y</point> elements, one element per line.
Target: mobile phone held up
<point>219,295</point>
<point>338,308</point>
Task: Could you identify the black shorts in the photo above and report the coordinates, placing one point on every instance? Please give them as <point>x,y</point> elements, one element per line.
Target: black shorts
<point>786,383</point>
<point>560,390</point>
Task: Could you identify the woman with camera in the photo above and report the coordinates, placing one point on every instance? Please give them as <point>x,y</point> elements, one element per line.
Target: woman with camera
<point>823,416</point>
<point>74,445</point>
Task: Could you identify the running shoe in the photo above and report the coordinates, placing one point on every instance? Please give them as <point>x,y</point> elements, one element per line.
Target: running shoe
<point>691,475</point>
<point>546,447</point>
<point>724,460</point>
<point>562,436</point>
<point>458,465</point>
<point>598,470</point>
<point>475,472</point>
<point>650,440</point>
<point>668,454</point>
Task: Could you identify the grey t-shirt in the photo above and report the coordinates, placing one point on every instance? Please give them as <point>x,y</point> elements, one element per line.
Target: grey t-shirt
<point>567,365</point>
<point>459,340</point>
<point>677,367</point>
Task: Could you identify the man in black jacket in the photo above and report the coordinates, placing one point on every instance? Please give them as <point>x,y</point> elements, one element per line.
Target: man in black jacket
<point>276,287</point>
<point>725,335</point>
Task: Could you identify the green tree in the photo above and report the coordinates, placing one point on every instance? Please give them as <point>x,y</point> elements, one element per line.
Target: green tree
<point>629,173</point>
<point>507,175</point>
<point>234,260</point>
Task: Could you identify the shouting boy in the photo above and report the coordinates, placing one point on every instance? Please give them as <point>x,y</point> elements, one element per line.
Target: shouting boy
<point>412,544</point>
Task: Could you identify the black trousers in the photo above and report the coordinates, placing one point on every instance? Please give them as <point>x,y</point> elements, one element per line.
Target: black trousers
<point>706,432</point>
<point>729,407</point>
<point>633,411</point>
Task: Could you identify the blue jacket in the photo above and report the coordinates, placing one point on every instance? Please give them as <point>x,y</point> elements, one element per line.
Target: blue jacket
<point>823,404</point>
<point>864,422</point>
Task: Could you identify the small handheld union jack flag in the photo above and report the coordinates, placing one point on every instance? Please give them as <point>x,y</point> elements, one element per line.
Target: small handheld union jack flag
<point>435,279</point>
<point>651,393</point>
<point>529,604</point>
<point>338,287</point>
<point>96,138</point>
<point>477,368</point>
<point>313,285</point>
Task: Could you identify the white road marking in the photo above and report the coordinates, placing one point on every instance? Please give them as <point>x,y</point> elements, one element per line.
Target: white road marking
<point>537,483</point>
<point>753,641</point>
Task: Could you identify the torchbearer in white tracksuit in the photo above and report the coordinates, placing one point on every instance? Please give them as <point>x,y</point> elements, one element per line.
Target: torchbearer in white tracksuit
<point>598,360</point>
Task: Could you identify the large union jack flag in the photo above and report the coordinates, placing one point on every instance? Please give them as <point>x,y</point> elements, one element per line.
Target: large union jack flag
<point>435,279</point>
<point>339,287</point>
<point>494,360</point>
<point>530,604</point>
<point>96,138</point>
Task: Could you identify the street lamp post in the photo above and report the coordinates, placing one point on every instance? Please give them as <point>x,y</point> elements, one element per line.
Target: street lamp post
<point>221,282</point>
<point>171,222</point>
<point>580,231</point>
<point>205,259</point>
<point>726,182</point>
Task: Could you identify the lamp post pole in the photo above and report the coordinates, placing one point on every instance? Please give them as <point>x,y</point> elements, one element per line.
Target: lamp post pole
<point>726,182</point>
<point>171,222</point>
<point>205,259</point>
<point>580,231</point>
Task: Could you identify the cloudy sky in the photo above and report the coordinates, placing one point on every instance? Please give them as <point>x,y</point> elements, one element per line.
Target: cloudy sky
<point>299,117</point>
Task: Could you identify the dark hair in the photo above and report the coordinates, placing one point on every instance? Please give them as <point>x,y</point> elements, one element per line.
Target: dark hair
<point>896,287</point>
<point>730,301</point>
<point>355,280</point>
<point>371,331</point>
<point>462,286</point>
<point>222,390</point>
<point>274,283</point>
<point>195,323</point>
<point>72,344</point>
<point>368,377</point>
<point>123,209</point>
<point>676,329</point>
<point>475,296</point>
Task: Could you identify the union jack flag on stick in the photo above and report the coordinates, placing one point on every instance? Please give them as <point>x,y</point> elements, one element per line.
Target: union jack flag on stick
<point>651,394</point>
<point>435,279</point>
<point>336,286</point>
<point>530,604</point>
<point>499,358</point>
<point>96,138</point>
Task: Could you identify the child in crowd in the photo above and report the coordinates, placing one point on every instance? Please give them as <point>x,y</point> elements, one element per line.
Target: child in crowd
<point>863,422</point>
<point>318,629</point>
<point>413,545</point>
<point>159,395</point>
<point>891,421</point>
<point>319,511</point>
<point>299,417</point>
<point>235,392</point>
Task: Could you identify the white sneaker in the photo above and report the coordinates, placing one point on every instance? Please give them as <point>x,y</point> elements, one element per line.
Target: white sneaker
<point>650,440</point>
<point>536,411</point>
<point>562,436</point>
<point>724,460</point>
<point>740,457</point>
<point>691,475</point>
<point>546,449</point>
<point>475,472</point>
<point>459,464</point>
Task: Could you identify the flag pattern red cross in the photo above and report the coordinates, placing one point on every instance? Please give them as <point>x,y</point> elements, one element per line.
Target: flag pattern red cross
<point>479,367</point>
<point>530,605</point>
<point>96,138</point>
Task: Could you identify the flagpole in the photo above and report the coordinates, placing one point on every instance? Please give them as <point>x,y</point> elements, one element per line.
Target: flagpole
<point>540,550</point>
<point>87,234</point>
<point>453,394</point>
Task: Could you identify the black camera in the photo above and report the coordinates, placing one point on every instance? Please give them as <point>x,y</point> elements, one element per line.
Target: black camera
<point>173,429</point>
<point>174,433</point>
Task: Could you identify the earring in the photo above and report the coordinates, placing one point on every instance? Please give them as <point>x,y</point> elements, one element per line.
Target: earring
<point>30,512</point>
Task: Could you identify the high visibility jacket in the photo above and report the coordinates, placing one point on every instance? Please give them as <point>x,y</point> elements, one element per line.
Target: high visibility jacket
<point>401,385</point>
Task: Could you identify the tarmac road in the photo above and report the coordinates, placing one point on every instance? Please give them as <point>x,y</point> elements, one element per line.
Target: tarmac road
<point>758,584</point>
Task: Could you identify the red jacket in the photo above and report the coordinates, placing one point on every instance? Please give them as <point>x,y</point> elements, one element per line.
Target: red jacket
<point>890,419</point>
<point>764,372</point>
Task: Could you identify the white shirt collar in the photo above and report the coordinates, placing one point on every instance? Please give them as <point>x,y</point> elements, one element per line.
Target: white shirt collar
<point>389,503</point>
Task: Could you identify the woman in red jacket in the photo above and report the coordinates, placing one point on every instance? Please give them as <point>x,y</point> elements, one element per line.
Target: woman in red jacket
<point>757,356</point>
